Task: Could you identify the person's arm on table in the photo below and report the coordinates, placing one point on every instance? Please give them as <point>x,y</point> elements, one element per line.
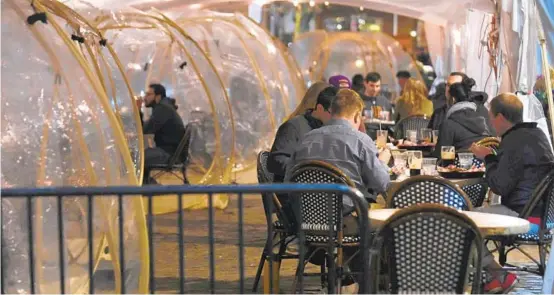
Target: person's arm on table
<point>503,172</point>
<point>375,174</point>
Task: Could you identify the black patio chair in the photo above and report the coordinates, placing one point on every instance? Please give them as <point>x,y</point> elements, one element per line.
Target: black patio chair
<point>428,248</point>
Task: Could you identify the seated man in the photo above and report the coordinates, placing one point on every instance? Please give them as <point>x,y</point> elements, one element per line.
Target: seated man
<point>402,77</point>
<point>341,144</point>
<point>166,125</point>
<point>373,95</point>
<point>340,81</point>
<point>293,130</point>
<point>523,159</point>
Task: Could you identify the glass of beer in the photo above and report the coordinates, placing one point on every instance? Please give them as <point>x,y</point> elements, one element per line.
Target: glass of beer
<point>376,111</point>
<point>415,161</point>
<point>381,140</point>
<point>435,136</point>
<point>426,135</point>
<point>448,155</point>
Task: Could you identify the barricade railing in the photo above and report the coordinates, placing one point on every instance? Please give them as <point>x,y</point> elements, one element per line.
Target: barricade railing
<point>150,193</point>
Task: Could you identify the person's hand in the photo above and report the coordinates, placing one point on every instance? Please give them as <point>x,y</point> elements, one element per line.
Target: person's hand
<point>479,151</point>
<point>385,156</point>
<point>138,101</point>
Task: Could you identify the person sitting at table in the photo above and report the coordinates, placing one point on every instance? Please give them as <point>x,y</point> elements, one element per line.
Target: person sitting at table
<point>166,125</point>
<point>462,125</point>
<point>372,95</point>
<point>522,160</point>
<point>310,114</point>
<point>358,84</point>
<point>340,143</point>
<point>402,77</point>
<point>340,81</point>
<point>413,101</point>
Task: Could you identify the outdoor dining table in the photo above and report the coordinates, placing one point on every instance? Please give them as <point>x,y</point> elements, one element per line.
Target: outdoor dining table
<point>489,224</point>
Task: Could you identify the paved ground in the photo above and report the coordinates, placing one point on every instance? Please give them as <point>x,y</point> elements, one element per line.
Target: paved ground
<point>227,253</point>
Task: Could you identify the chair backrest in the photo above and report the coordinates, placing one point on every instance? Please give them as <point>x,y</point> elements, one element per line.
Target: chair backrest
<point>270,201</point>
<point>315,216</point>
<point>477,193</point>
<point>429,248</point>
<point>428,189</point>
<point>543,195</point>
<point>415,122</point>
<point>182,152</point>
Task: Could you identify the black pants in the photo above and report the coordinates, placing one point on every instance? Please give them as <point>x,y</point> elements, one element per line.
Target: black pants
<point>153,156</point>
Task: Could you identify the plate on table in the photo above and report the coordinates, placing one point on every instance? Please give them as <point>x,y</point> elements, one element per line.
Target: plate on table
<point>459,173</point>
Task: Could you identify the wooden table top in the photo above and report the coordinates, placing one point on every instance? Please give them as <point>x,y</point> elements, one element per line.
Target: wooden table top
<point>489,224</point>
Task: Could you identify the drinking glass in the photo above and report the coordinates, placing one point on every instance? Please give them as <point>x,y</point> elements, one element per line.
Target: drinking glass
<point>411,135</point>
<point>381,140</point>
<point>435,136</point>
<point>426,135</point>
<point>385,115</point>
<point>448,155</point>
<point>466,160</point>
<point>400,158</point>
<point>376,111</point>
<point>429,166</point>
<point>415,159</point>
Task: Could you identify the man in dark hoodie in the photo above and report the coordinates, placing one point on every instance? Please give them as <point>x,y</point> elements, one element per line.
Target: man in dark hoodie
<point>463,125</point>
<point>292,131</point>
<point>523,159</point>
<point>166,125</point>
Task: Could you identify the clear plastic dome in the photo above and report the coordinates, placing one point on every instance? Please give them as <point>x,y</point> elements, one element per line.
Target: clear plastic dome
<point>152,49</point>
<point>321,55</point>
<point>258,76</point>
<point>58,129</point>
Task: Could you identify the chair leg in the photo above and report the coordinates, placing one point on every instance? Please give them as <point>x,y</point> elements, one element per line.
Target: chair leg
<point>542,258</point>
<point>323,274</point>
<point>298,278</point>
<point>502,255</point>
<point>259,271</point>
<point>331,273</point>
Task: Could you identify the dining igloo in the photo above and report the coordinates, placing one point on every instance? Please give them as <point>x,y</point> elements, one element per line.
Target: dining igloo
<point>153,49</point>
<point>321,55</point>
<point>263,84</point>
<point>59,129</point>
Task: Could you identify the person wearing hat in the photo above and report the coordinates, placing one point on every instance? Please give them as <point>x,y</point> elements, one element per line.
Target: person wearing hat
<point>340,81</point>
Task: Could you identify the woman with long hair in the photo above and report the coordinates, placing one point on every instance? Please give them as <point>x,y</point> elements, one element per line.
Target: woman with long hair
<point>414,100</point>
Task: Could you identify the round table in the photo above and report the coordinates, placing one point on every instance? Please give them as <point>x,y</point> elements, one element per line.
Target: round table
<point>489,224</point>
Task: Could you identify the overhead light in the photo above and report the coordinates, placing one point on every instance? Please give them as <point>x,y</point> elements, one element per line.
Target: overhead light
<point>195,6</point>
<point>326,3</point>
<point>312,3</point>
<point>413,34</point>
<point>295,3</point>
<point>361,8</point>
<point>374,28</point>
<point>359,63</point>
<point>339,27</point>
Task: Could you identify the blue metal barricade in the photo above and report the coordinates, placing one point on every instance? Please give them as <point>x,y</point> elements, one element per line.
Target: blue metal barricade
<point>150,192</point>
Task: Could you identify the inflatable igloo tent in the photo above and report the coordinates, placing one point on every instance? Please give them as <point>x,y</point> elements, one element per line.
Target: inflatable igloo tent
<point>60,129</point>
<point>264,86</point>
<point>153,49</point>
<point>321,55</point>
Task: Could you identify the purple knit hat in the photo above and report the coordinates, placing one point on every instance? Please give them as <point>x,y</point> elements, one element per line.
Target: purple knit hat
<point>340,81</point>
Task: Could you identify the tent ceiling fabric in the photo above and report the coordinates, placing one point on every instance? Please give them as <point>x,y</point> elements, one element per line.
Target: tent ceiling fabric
<point>439,12</point>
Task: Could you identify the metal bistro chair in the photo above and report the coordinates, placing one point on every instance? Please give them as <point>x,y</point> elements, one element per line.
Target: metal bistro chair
<point>543,196</point>
<point>281,227</point>
<point>429,248</point>
<point>415,122</point>
<point>317,212</point>
<point>428,189</point>
<point>177,162</point>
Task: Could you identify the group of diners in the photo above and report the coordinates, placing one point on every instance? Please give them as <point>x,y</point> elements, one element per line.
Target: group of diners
<point>328,126</point>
